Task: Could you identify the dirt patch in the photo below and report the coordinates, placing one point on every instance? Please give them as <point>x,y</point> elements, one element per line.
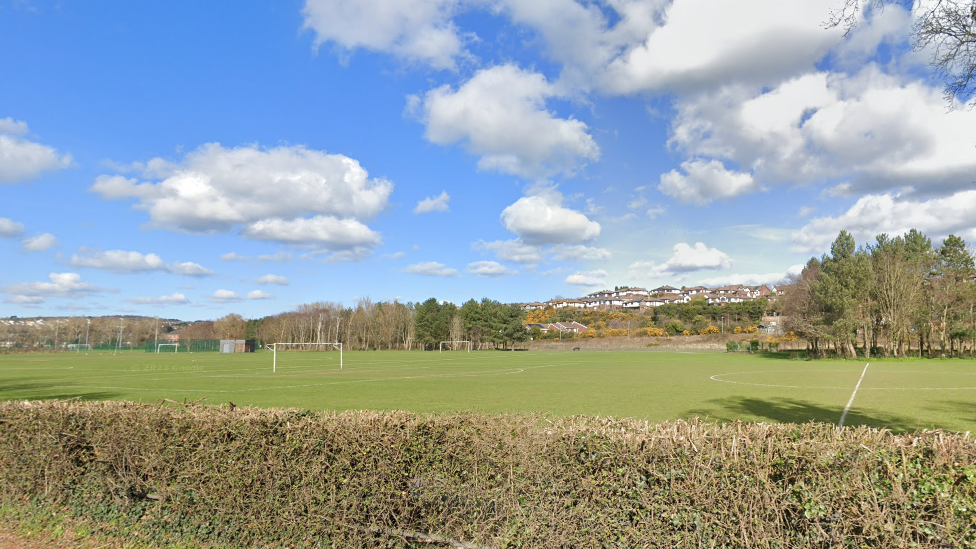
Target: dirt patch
<point>11,539</point>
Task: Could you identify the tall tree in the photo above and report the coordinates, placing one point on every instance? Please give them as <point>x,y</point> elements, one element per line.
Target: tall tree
<point>843,289</point>
<point>952,290</point>
<point>946,29</point>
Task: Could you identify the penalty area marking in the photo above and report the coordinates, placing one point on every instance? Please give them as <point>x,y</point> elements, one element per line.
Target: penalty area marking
<point>854,394</point>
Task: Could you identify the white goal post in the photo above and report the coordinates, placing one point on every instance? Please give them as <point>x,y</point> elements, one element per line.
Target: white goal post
<point>274,349</point>
<point>175,346</point>
<point>454,345</point>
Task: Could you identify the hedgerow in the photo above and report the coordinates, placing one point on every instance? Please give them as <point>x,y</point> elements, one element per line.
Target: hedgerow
<point>220,477</point>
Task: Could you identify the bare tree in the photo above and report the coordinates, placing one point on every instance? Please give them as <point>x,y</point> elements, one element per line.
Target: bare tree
<point>946,28</point>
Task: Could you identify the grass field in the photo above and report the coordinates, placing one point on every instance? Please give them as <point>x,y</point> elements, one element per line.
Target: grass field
<point>656,386</point>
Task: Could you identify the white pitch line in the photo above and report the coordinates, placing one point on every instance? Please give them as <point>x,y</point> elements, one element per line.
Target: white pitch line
<point>854,394</point>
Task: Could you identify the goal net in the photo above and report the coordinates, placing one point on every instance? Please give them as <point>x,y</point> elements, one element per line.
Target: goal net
<point>79,347</point>
<point>276,347</point>
<point>167,348</point>
<point>455,346</point>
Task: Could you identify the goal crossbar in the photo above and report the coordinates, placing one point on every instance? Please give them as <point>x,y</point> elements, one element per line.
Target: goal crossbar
<point>454,344</point>
<point>175,346</point>
<point>273,347</point>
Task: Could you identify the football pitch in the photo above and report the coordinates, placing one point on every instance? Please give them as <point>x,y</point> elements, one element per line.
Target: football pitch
<point>647,385</point>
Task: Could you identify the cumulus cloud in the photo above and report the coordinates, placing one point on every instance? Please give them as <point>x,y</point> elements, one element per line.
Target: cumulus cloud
<point>514,251</point>
<point>500,116</point>
<point>280,257</point>
<point>129,262</point>
<point>705,182</point>
<point>25,300</point>
<point>541,219</point>
<point>769,279</point>
<point>40,243</point>
<point>258,294</point>
<point>273,279</point>
<point>431,268</point>
<point>173,299</point>
<point>415,30</point>
<point>22,159</point>
<point>188,268</point>
<point>10,228</point>
<point>566,252</point>
<point>323,231</point>
<point>696,44</point>
<point>879,132</point>
<point>268,192</point>
<point>685,259</point>
<point>489,269</point>
<point>226,296</point>
<point>893,214</point>
<point>437,203</point>
<point>587,278</point>
<point>59,285</point>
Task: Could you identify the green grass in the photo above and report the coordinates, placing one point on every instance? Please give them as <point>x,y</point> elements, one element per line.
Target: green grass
<point>656,386</point>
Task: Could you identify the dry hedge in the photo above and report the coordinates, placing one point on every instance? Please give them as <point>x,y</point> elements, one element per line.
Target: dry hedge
<point>244,477</point>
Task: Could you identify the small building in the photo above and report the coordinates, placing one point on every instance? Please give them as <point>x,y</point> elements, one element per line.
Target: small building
<point>237,345</point>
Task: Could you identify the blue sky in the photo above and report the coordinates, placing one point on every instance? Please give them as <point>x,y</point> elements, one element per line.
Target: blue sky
<point>189,160</point>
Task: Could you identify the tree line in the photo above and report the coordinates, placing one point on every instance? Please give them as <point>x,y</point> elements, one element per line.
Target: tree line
<point>896,296</point>
<point>488,324</point>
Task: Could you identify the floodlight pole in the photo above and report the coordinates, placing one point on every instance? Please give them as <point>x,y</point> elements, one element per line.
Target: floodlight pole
<point>118,344</point>
<point>57,325</point>
<point>156,340</point>
<point>88,329</point>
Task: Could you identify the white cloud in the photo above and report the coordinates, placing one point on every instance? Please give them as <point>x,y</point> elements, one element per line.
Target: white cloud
<point>40,243</point>
<point>541,219</point>
<point>587,278</point>
<point>705,43</point>
<point>258,294</point>
<point>705,182</point>
<point>325,232</point>
<point>188,268</point>
<point>174,299</point>
<point>652,213</point>
<point>60,285</point>
<point>437,203</point>
<point>10,228</point>
<point>280,257</point>
<point>769,279</point>
<point>566,252</point>
<point>685,259</point>
<point>514,251</point>
<point>876,131</point>
<point>22,159</point>
<point>25,300</point>
<point>10,126</point>
<point>128,262</point>
<point>431,268</point>
<point>225,296</point>
<point>214,189</point>
<point>415,30</point>
<point>273,279</point>
<point>489,269</point>
<point>500,115</point>
<point>893,214</point>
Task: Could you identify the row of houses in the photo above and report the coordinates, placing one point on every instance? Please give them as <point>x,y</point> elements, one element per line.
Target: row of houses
<point>639,298</point>
<point>561,327</point>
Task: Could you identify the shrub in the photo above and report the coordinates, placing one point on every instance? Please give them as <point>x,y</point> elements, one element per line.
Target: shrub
<point>209,477</point>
